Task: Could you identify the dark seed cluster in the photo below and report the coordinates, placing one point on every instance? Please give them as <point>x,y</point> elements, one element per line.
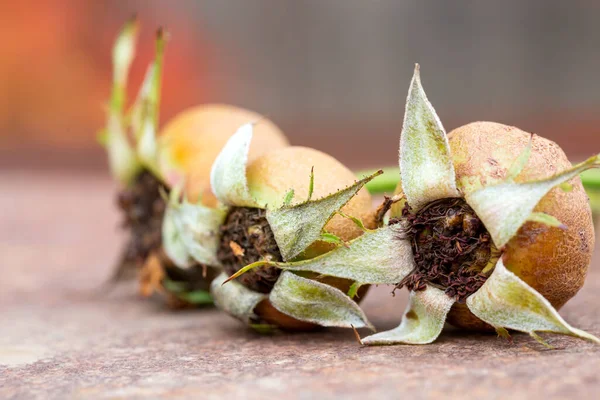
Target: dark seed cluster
<point>451,247</point>
<point>143,209</point>
<point>246,237</point>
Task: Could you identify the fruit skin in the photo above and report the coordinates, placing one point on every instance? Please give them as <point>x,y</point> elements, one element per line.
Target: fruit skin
<point>552,261</point>
<point>272,175</point>
<point>190,142</point>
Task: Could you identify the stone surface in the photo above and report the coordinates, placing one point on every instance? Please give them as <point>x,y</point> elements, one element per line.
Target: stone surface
<point>63,336</point>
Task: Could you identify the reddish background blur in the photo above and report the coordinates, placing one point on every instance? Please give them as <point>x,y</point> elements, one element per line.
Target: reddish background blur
<point>332,74</point>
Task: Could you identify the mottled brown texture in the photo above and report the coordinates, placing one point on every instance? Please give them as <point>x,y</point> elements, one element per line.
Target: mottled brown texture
<point>450,246</point>
<point>271,176</point>
<point>61,338</point>
<point>551,260</point>
<point>193,139</point>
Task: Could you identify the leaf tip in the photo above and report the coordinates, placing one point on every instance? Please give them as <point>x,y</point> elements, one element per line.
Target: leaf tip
<point>357,335</point>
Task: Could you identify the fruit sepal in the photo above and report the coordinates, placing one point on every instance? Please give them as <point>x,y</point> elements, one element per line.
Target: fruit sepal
<point>422,322</point>
<point>191,231</point>
<point>506,301</point>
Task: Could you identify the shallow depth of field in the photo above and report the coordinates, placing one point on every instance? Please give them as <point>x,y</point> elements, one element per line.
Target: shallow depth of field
<point>332,75</point>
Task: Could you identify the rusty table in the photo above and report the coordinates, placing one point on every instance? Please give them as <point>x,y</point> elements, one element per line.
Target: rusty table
<point>62,338</point>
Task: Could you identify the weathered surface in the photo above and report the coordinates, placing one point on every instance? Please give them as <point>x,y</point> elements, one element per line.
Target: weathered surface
<point>61,338</point>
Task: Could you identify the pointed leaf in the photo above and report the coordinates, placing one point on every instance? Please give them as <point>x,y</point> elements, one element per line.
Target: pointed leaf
<point>316,302</point>
<point>376,257</point>
<point>236,299</point>
<point>288,198</point>
<point>331,238</point>
<point>426,165</point>
<point>122,159</point>
<point>505,207</point>
<point>546,219</point>
<point>145,111</point>
<point>506,301</point>
<point>228,176</point>
<point>518,165</point>
<point>191,232</point>
<point>122,57</point>
<point>353,290</point>
<point>422,322</point>
<point>311,184</point>
<point>297,227</point>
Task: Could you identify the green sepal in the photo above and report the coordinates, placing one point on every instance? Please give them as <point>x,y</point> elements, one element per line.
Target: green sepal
<point>297,227</point>
<point>505,207</point>
<point>228,175</point>
<point>191,231</point>
<point>426,168</point>
<point>311,301</point>
<point>506,301</point>
<point>380,256</point>
<point>546,219</point>
<point>422,322</point>
<point>517,166</point>
<point>236,299</point>
<point>143,115</point>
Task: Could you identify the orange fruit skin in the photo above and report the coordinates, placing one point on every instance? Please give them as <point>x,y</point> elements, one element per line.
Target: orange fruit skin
<point>191,141</point>
<point>552,261</point>
<point>272,175</point>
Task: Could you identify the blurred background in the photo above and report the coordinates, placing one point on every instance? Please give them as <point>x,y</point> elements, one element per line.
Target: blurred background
<point>332,74</point>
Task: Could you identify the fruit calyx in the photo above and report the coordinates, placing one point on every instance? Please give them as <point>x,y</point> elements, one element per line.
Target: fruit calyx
<point>143,209</point>
<point>452,249</point>
<point>247,237</point>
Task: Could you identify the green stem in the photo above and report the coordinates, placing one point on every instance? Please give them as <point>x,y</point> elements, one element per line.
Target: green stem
<point>387,182</point>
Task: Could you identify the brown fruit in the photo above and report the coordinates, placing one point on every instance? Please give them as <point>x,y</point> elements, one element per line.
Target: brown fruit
<point>272,175</point>
<point>552,261</point>
<point>190,142</point>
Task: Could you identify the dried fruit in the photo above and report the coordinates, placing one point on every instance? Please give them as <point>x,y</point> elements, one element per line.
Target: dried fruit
<point>182,153</point>
<point>274,210</point>
<point>485,224</point>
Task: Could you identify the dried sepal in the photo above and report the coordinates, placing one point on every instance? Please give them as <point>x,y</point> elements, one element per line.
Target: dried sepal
<point>191,231</point>
<point>297,227</point>
<point>426,168</point>
<point>311,301</point>
<point>236,299</point>
<point>376,257</point>
<point>506,301</point>
<point>122,158</point>
<point>228,175</point>
<point>151,276</point>
<point>505,207</point>
<point>422,322</point>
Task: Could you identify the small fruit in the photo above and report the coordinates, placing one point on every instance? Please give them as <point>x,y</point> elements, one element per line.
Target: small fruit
<point>490,228</point>
<point>189,143</point>
<point>279,208</point>
<point>147,163</point>
<point>273,175</point>
<point>552,261</point>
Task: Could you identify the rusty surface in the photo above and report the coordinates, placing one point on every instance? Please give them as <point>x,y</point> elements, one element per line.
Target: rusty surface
<point>61,337</point>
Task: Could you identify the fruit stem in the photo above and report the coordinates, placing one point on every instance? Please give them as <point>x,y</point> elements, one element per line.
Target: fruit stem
<point>387,182</point>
